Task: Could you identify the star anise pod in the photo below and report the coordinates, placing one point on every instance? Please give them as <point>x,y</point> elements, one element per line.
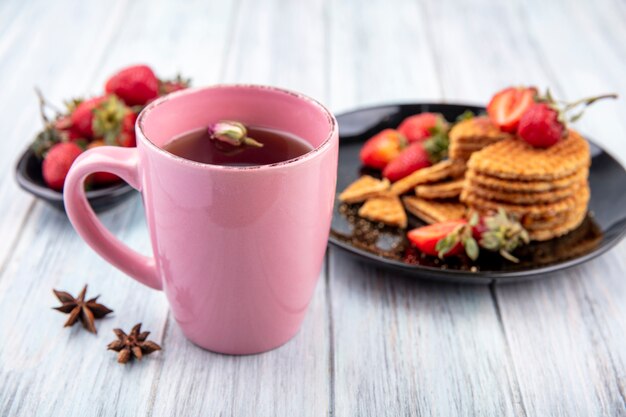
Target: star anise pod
<point>79,309</point>
<point>132,345</point>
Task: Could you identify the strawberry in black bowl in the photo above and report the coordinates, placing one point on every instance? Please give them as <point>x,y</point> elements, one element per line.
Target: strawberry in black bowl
<point>108,119</point>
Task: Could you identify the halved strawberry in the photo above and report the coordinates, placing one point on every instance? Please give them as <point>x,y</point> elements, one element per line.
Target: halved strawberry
<point>507,106</point>
<point>427,238</point>
<point>381,148</point>
<point>408,161</point>
<point>496,232</point>
<point>419,127</point>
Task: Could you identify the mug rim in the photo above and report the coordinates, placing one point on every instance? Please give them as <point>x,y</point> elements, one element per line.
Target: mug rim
<point>332,122</point>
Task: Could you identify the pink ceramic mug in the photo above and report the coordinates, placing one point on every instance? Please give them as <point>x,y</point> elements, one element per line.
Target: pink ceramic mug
<point>237,250</point>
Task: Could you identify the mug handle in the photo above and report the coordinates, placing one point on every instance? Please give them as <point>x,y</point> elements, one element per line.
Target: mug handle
<point>123,162</point>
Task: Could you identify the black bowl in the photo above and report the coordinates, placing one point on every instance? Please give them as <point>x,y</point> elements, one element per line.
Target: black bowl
<point>28,176</point>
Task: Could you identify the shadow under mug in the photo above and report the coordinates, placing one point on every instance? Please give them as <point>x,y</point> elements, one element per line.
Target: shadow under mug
<point>237,250</point>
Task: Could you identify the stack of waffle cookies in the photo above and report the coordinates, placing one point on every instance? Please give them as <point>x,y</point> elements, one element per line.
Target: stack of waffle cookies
<point>546,189</point>
<point>471,135</point>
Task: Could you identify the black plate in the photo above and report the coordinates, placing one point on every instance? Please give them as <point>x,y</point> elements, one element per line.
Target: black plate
<point>28,176</point>
<point>388,247</point>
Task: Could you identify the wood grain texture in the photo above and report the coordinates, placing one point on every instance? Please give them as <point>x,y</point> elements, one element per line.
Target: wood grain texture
<point>374,342</point>
<point>405,347</point>
<point>381,52</point>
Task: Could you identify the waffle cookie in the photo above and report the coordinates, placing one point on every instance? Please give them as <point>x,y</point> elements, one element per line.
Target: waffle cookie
<point>384,209</point>
<point>514,159</point>
<point>543,210</point>
<point>543,221</point>
<point>434,211</point>
<point>495,183</point>
<point>469,136</point>
<point>363,188</point>
<point>440,190</point>
<point>546,222</point>
<point>571,222</point>
<point>435,173</point>
<point>515,197</point>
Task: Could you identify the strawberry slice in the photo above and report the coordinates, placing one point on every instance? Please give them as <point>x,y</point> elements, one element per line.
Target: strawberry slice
<point>408,161</point>
<point>381,148</point>
<point>419,127</point>
<point>426,238</point>
<point>494,232</point>
<point>507,107</point>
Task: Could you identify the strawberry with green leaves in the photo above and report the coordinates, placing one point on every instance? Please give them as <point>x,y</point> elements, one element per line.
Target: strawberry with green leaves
<point>545,122</point>
<point>496,233</point>
<point>419,154</point>
<point>82,117</point>
<point>114,122</point>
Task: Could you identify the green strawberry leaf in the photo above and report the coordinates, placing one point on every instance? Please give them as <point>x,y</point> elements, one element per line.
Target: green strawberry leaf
<point>466,115</point>
<point>471,248</point>
<point>446,244</point>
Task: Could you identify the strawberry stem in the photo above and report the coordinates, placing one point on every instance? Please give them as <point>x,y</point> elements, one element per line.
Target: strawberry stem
<point>587,101</point>
<point>43,104</point>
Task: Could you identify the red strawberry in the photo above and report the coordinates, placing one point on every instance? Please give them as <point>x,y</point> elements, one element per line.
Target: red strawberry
<point>411,159</point>
<point>544,123</point>
<point>102,178</point>
<point>497,233</point>
<point>82,117</point>
<point>382,148</point>
<point>507,106</point>
<point>540,126</point>
<point>135,85</point>
<point>426,238</point>
<point>420,126</point>
<point>57,163</point>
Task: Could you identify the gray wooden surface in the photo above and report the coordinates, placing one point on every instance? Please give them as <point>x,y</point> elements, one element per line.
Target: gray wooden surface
<point>374,343</point>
